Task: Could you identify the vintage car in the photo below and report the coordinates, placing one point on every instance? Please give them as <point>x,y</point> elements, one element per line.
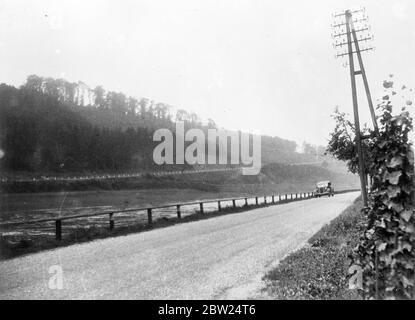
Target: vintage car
<point>324,188</point>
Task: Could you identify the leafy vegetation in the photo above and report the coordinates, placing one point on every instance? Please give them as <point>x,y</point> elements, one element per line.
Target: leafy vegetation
<point>386,252</point>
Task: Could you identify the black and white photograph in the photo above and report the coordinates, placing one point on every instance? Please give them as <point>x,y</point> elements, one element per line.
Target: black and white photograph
<point>208,156</point>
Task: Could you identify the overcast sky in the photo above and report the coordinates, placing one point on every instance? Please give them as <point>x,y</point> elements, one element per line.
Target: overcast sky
<point>257,65</point>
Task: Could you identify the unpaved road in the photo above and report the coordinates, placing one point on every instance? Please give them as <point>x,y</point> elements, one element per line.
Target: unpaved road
<point>222,258</point>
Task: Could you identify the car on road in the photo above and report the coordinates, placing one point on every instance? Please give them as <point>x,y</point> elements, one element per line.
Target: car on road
<point>323,188</point>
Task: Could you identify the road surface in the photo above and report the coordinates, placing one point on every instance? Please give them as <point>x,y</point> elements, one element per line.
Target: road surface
<point>219,258</point>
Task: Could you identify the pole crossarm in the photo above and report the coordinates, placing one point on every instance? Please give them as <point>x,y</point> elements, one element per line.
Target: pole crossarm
<point>345,33</point>
<point>353,52</point>
<point>341,44</point>
<point>342,14</point>
<point>344,23</point>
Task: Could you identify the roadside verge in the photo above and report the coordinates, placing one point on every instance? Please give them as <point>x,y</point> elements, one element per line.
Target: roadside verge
<point>318,271</point>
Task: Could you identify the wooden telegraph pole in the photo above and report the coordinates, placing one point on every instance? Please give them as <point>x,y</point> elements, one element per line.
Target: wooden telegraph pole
<point>352,39</point>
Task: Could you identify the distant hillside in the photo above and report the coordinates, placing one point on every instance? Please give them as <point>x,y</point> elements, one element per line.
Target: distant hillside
<point>40,134</point>
<point>53,126</point>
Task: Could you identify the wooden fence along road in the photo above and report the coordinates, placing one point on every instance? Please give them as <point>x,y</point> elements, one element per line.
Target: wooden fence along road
<point>199,207</point>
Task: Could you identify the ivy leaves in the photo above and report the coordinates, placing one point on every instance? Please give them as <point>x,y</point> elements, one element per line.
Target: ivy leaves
<point>393,177</point>
<point>394,162</point>
<point>407,214</point>
<point>386,251</point>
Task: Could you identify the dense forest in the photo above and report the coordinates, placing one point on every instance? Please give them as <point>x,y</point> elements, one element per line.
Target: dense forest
<point>52,125</point>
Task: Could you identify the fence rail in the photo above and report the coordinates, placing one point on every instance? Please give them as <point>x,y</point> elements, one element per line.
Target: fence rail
<point>267,199</point>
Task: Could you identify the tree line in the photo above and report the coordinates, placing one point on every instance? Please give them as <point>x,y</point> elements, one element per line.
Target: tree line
<point>78,93</point>
<point>39,133</point>
<point>52,125</point>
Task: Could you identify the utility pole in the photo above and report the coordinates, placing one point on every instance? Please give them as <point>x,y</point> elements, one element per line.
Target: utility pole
<point>351,39</point>
<point>356,111</point>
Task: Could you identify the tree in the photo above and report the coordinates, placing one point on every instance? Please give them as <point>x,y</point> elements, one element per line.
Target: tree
<point>143,103</point>
<point>342,144</point>
<point>99,93</point>
<point>69,91</point>
<point>116,101</point>
<point>194,119</point>
<point>34,82</point>
<point>308,148</point>
<point>132,106</point>
<point>182,115</point>
<point>119,102</point>
<point>150,110</point>
<point>212,124</point>
<point>158,110</point>
<point>51,88</point>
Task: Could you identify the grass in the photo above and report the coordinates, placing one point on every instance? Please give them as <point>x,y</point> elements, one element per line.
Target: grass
<point>318,271</point>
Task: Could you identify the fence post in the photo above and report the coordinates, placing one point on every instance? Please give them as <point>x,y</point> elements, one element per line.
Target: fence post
<point>111,221</point>
<point>279,198</point>
<point>286,197</point>
<point>219,207</point>
<point>256,200</point>
<point>201,207</point>
<point>273,199</point>
<point>179,213</point>
<point>246,201</point>
<point>265,199</point>
<point>58,231</point>
<point>149,217</point>
<point>234,203</point>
